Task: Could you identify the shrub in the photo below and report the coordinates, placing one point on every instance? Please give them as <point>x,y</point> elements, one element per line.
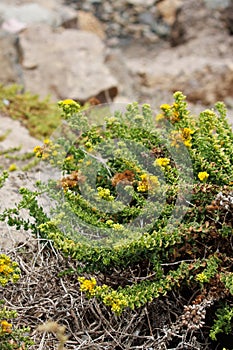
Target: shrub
<point>143,194</point>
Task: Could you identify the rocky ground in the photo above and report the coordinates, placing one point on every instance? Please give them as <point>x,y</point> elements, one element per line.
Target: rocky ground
<point>126,49</point>
<point>119,51</point>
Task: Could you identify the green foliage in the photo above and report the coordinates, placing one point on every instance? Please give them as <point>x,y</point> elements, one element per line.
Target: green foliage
<point>3,178</point>
<point>40,117</point>
<point>223,322</point>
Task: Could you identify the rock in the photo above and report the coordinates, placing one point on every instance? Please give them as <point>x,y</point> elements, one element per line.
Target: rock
<point>141,2</point>
<point>68,64</point>
<point>192,20</point>
<point>13,26</point>
<point>10,58</point>
<point>49,12</point>
<point>227,17</point>
<point>129,19</point>
<point>168,10</point>
<point>66,17</point>
<point>88,22</point>
<point>9,193</point>
<point>28,13</point>
<point>204,78</point>
<point>146,18</point>
<point>217,4</point>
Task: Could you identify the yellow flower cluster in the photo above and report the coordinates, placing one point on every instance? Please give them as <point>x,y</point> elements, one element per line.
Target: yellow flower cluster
<point>184,136</point>
<point>38,150</point>
<point>165,107</point>
<point>170,112</point>
<point>162,162</point>
<point>48,150</point>
<point>203,176</point>
<point>116,227</point>
<point>105,194</point>
<point>9,270</point>
<point>187,136</point>
<point>116,301</point>
<point>148,182</point>
<point>69,106</point>
<point>6,327</point>
<point>87,285</point>
<point>201,277</point>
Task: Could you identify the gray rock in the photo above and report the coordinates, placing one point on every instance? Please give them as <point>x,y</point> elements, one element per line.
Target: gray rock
<point>66,64</point>
<point>146,18</point>
<point>29,13</point>
<point>141,2</point>
<point>10,58</point>
<point>66,17</point>
<point>203,79</point>
<point>217,4</point>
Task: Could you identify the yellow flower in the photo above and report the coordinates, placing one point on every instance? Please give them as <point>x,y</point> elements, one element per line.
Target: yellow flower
<point>105,194</point>
<point>109,222</point>
<point>117,227</point>
<point>201,277</point>
<point>38,151</point>
<point>187,143</point>
<point>45,155</point>
<point>116,306</point>
<point>148,182</point>
<point>203,175</point>
<point>187,132</point>
<point>8,270</point>
<point>68,101</point>
<point>87,285</point>
<point>165,107</point>
<point>46,141</point>
<point>12,167</point>
<point>163,162</point>
<point>159,116</point>
<point>142,187</point>
<point>6,326</point>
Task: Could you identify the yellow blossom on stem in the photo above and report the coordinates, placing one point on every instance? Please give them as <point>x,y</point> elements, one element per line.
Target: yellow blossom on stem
<point>147,182</point>
<point>187,136</point>
<point>105,194</point>
<point>187,132</point>
<point>6,327</point>
<point>38,151</point>
<point>162,162</point>
<point>9,270</point>
<point>165,107</point>
<point>203,176</point>
<point>117,227</point>
<point>159,116</point>
<point>87,285</point>
<point>12,167</point>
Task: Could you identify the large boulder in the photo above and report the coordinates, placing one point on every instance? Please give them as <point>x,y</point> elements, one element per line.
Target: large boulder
<point>66,63</point>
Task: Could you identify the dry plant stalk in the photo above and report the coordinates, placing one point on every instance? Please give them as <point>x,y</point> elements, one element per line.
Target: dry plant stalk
<point>59,331</point>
